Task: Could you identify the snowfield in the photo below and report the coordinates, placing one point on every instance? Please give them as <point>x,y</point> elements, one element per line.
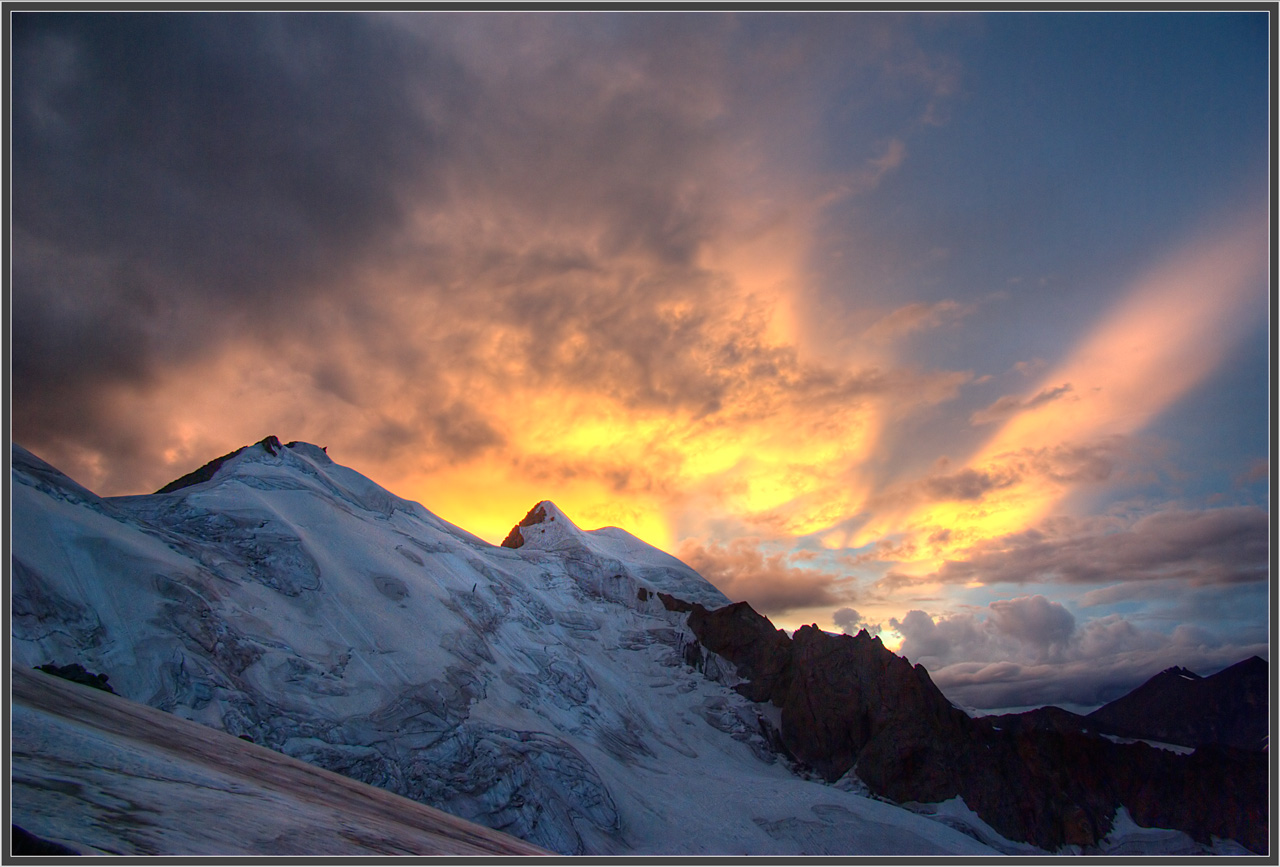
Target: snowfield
<point>102,775</point>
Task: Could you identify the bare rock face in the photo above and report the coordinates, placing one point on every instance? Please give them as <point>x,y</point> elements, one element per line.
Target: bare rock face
<point>750,642</point>
<point>536,515</point>
<point>849,704</point>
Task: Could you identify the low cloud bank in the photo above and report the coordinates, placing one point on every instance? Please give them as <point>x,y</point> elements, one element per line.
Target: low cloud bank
<point>768,582</point>
<point>1030,650</point>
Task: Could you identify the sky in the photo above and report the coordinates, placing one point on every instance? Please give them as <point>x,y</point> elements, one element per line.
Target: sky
<point>949,326</point>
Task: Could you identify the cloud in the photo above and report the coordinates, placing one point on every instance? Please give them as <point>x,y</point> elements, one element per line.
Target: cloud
<point>1030,627</point>
<point>1212,546</point>
<point>742,572</point>
<point>1172,328</point>
<point>849,620</point>
<point>965,484</point>
<point>172,192</point>
<point>1033,620</point>
<point>1257,471</point>
<point>870,175</point>
<point>1031,650</point>
<point>1030,367</point>
<point>1010,404</point>
<point>551,249</point>
<point>1060,465</point>
<point>918,317</point>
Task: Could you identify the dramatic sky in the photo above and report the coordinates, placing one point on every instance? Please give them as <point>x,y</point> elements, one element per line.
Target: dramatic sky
<point>949,326</point>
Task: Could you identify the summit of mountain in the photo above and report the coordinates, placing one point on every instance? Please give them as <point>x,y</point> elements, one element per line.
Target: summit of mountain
<point>545,528</point>
<point>1178,706</point>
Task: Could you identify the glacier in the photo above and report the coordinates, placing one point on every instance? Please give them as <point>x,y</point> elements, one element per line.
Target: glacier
<point>542,690</point>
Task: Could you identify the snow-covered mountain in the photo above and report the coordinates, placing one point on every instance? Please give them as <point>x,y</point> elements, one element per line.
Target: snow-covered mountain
<point>540,690</point>
<point>95,774</point>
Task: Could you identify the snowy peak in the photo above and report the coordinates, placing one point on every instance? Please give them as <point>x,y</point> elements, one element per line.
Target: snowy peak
<point>547,529</point>
<point>253,471</point>
<point>32,470</point>
<point>269,445</point>
<point>545,526</point>
<point>1180,672</point>
<point>264,449</point>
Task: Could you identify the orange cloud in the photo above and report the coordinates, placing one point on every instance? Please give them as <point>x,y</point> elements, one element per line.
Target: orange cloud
<point>1169,332</point>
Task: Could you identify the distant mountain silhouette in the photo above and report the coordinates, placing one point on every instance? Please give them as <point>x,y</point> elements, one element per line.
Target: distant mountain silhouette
<point>1178,706</point>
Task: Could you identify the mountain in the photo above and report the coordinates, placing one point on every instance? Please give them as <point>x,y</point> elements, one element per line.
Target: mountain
<point>847,704</point>
<point>1180,707</point>
<point>147,782</point>
<point>540,691</point>
<point>580,690</point>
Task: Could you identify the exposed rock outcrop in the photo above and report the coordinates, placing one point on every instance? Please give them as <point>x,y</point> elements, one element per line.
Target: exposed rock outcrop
<point>77,673</point>
<point>849,704</point>
<point>536,515</point>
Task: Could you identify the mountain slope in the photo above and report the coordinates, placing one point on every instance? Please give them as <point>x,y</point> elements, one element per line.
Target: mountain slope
<point>1180,707</point>
<point>145,782</point>
<point>543,691</point>
<point>546,528</point>
<point>849,705</point>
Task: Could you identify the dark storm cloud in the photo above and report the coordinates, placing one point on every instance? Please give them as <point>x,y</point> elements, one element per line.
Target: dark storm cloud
<point>1211,546</point>
<point>742,572</point>
<point>411,218</point>
<point>244,153</point>
<point>180,179</point>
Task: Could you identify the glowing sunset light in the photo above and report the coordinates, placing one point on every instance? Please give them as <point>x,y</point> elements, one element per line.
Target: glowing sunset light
<point>1169,333</point>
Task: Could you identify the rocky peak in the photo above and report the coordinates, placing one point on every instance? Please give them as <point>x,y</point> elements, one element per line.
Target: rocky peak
<point>545,512</point>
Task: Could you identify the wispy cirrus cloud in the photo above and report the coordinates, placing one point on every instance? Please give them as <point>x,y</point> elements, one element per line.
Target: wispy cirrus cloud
<point>918,317</point>
<point>1164,337</point>
<point>1010,404</point>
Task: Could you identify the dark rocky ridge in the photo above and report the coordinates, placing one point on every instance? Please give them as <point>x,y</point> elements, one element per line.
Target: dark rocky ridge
<point>849,704</point>
<point>1178,706</point>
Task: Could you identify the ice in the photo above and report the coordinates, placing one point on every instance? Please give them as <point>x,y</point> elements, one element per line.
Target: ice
<point>538,691</point>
